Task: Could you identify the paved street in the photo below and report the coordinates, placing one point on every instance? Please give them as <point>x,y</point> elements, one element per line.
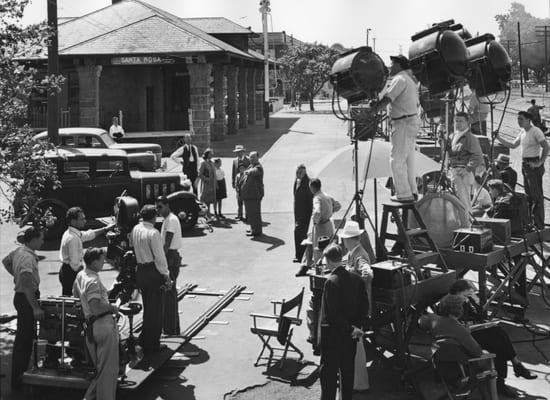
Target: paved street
<point>224,258</point>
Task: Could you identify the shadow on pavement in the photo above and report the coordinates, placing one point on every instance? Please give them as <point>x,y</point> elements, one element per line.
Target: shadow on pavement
<point>273,241</point>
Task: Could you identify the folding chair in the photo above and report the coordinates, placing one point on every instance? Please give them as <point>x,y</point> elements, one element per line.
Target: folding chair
<point>461,375</point>
<point>280,326</point>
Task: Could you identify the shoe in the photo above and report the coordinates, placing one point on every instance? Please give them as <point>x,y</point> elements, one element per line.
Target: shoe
<point>303,271</point>
<point>248,231</point>
<point>250,234</point>
<point>295,260</point>
<point>221,216</point>
<point>504,390</point>
<point>415,196</point>
<point>402,199</point>
<point>521,371</point>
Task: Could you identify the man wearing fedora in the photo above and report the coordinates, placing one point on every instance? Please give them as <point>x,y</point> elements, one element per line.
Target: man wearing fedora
<point>189,156</point>
<point>504,172</point>
<point>241,160</point>
<point>402,95</point>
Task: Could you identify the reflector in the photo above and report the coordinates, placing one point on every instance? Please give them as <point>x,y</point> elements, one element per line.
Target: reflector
<point>491,67</point>
<point>358,75</point>
<point>439,57</point>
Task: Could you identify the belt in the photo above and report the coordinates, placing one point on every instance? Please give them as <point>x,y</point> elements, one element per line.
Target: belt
<point>528,159</point>
<point>148,264</point>
<point>403,117</point>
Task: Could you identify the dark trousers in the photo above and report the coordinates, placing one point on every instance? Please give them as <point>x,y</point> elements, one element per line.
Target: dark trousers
<point>240,205</point>
<point>254,215</point>
<point>301,225</point>
<point>337,358</point>
<point>496,340</point>
<point>192,175</point>
<point>149,281</point>
<point>532,180</point>
<point>67,275</point>
<point>171,322</point>
<point>22,346</point>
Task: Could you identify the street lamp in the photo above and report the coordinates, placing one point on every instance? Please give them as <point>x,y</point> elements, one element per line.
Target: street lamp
<point>368,30</point>
<point>264,10</point>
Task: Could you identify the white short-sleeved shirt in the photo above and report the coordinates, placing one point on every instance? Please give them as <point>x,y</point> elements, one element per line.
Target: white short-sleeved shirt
<point>403,93</point>
<point>23,260</point>
<point>72,249</point>
<point>116,129</point>
<point>530,142</point>
<point>172,224</point>
<point>87,286</point>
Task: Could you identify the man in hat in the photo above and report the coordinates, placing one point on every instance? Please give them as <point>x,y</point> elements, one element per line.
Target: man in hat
<point>189,156</point>
<point>402,95</point>
<point>534,150</point>
<point>357,259</point>
<point>504,172</point>
<point>241,160</point>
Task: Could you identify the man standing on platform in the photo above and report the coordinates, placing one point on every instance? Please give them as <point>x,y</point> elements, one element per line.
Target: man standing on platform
<point>152,276</point>
<point>72,248</point>
<point>343,318</point>
<point>243,160</point>
<point>534,150</point>
<point>252,193</point>
<point>189,156</point>
<point>303,206</point>
<point>403,96</point>
<point>465,157</point>
<point>171,238</point>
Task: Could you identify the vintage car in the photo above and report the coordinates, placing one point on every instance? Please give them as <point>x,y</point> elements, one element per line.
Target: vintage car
<point>141,156</point>
<point>93,178</point>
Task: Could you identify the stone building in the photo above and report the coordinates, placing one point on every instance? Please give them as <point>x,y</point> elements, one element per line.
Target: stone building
<point>165,75</point>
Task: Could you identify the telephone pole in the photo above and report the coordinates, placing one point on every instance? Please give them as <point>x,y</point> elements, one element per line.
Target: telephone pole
<point>543,32</point>
<point>520,63</point>
<point>53,69</point>
<point>264,9</point>
<point>374,44</point>
<point>368,30</point>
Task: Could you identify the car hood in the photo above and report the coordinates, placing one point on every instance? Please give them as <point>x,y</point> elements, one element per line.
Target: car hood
<point>137,147</point>
<point>137,175</point>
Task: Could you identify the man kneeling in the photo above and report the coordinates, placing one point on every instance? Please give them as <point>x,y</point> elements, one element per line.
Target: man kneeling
<point>102,332</point>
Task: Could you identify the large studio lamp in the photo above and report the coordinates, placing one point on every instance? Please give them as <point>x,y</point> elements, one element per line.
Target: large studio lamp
<point>438,57</point>
<point>359,74</point>
<point>490,65</point>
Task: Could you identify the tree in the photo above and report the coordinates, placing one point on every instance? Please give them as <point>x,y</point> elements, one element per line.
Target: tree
<point>532,49</point>
<point>307,67</point>
<point>23,168</point>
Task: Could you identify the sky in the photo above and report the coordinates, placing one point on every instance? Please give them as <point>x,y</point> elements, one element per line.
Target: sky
<point>391,22</point>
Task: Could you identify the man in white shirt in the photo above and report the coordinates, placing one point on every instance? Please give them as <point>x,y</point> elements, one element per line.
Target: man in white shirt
<point>403,96</point>
<point>152,276</point>
<point>72,249</point>
<point>189,159</point>
<point>171,238</point>
<point>116,131</point>
<point>534,150</point>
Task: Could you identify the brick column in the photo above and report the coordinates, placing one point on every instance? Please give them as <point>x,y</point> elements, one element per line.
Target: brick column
<point>199,82</point>
<point>251,94</point>
<point>88,94</point>
<point>231,72</point>
<point>218,126</point>
<point>243,98</point>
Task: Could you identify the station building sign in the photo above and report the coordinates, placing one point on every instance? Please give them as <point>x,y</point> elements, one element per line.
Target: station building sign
<point>141,60</point>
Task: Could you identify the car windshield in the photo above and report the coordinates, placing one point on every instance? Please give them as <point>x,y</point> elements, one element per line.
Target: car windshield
<point>107,139</point>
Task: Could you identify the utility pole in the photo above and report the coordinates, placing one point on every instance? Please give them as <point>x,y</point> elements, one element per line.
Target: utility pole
<point>264,9</point>
<point>509,42</point>
<point>544,31</point>
<point>520,63</point>
<point>368,30</point>
<point>374,44</point>
<point>53,69</point>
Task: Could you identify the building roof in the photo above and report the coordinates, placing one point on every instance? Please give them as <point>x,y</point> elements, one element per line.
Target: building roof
<point>136,27</point>
<point>218,25</point>
<point>277,39</point>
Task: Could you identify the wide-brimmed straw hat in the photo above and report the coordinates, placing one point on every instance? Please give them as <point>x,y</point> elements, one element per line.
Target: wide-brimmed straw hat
<point>351,229</point>
<point>238,148</point>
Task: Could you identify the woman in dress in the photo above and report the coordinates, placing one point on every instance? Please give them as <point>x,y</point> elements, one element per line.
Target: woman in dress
<point>207,176</point>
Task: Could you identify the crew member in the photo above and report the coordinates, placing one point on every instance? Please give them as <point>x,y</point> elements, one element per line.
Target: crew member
<point>502,201</point>
<point>534,110</point>
<point>324,206</point>
<point>101,332</point>
<point>72,249</point>
<point>534,149</point>
<point>403,96</point>
<point>171,238</point>
<point>465,157</point>
<point>505,172</point>
<point>343,317</point>
<point>189,159</point>
<point>152,276</point>
<point>303,205</point>
<point>22,264</point>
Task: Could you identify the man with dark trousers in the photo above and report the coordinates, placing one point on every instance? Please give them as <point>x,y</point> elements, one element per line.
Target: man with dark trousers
<point>22,264</point>
<point>189,156</point>
<point>252,193</point>
<point>152,276</point>
<point>303,205</point>
<point>241,160</point>
<point>344,313</point>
